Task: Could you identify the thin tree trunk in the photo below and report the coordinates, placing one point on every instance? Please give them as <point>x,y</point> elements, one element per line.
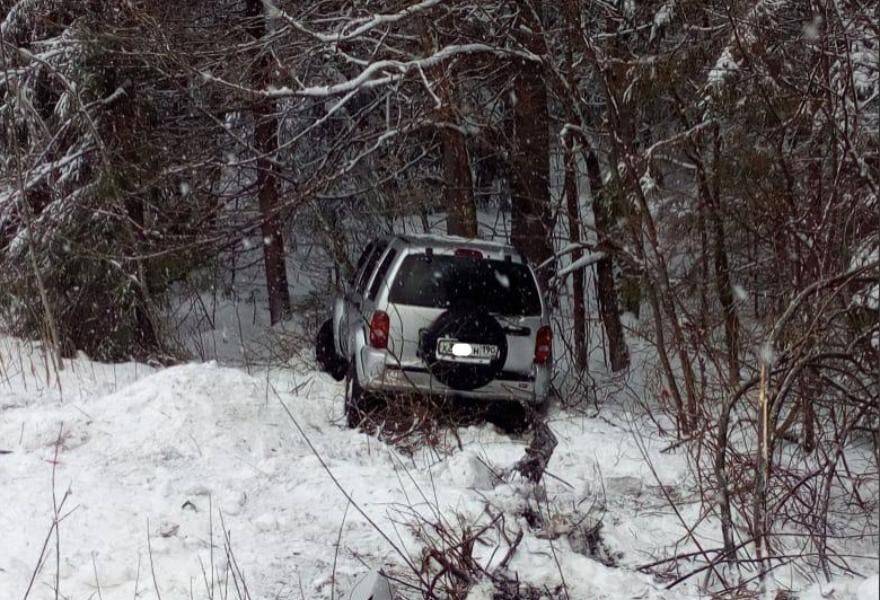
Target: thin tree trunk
<point>573,209</point>
<point>722,272</point>
<point>458,189</point>
<point>48,311</point>
<point>574,236</point>
<point>762,472</point>
<point>703,285</point>
<point>667,301</point>
<point>643,228</point>
<point>147,332</point>
<point>811,386</point>
<point>725,294</point>
<point>531,220</point>
<point>266,144</point>
<point>271,225</point>
<point>609,310</point>
<point>710,219</point>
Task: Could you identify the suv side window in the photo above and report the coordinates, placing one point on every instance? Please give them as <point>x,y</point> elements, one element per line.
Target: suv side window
<point>370,266</point>
<point>360,262</point>
<point>381,273</point>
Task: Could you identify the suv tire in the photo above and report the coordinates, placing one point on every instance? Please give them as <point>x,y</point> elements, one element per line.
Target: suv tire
<point>509,416</point>
<point>359,403</point>
<point>354,398</point>
<point>325,353</point>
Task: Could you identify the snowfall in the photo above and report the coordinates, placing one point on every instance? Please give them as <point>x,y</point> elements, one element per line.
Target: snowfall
<point>183,481</point>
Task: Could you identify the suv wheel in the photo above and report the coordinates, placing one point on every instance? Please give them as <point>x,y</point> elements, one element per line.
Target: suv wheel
<point>359,404</point>
<point>325,353</point>
<point>354,398</point>
<point>510,416</point>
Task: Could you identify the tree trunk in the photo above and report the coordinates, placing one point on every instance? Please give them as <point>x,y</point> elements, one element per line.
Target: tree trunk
<point>618,353</point>
<point>722,273</point>
<point>725,294</point>
<point>609,310</point>
<point>458,186</point>
<point>146,334</point>
<point>574,236</point>
<point>458,189</point>
<point>266,145</point>
<point>644,229</point>
<point>723,287</point>
<point>531,220</point>
<point>126,122</point>
<point>271,223</point>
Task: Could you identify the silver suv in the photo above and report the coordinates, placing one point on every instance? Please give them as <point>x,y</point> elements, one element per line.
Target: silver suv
<point>440,315</point>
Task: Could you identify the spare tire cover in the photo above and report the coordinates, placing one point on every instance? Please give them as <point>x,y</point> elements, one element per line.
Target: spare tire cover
<point>471,325</point>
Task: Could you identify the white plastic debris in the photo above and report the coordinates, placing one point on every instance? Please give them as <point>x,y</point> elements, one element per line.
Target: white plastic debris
<point>373,586</point>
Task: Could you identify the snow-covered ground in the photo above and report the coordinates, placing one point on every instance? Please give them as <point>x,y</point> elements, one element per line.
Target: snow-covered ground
<point>157,464</point>
<point>160,473</point>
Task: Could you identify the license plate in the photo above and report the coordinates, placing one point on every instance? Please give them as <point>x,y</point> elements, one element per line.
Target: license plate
<point>455,351</point>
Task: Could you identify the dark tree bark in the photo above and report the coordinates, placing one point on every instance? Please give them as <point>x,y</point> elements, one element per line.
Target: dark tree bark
<point>266,144</point>
<point>609,310</point>
<point>124,124</point>
<point>618,353</point>
<point>722,270</point>
<point>646,241</point>
<point>574,236</point>
<point>725,292</point>
<point>146,334</point>
<point>458,188</point>
<point>531,217</point>
<point>711,221</point>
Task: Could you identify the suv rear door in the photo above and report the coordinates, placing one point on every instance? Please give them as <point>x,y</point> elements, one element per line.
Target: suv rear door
<point>425,286</point>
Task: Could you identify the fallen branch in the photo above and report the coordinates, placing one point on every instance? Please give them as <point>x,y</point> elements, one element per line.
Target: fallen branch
<point>538,453</point>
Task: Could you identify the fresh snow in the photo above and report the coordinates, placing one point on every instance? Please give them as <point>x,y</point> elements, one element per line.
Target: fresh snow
<point>158,463</point>
<point>149,453</point>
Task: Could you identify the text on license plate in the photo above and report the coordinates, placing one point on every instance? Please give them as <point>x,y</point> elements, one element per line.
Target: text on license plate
<point>450,349</point>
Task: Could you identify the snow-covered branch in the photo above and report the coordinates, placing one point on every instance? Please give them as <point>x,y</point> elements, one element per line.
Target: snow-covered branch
<point>360,26</point>
<point>583,262</point>
<point>378,73</point>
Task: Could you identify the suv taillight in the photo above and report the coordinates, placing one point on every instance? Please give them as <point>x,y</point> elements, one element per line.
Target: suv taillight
<point>380,325</point>
<point>543,345</point>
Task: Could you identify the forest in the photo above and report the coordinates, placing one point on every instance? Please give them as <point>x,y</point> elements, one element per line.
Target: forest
<point>186,186</point>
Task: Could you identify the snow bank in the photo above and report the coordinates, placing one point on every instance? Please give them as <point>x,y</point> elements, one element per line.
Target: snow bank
<point>158,464</point>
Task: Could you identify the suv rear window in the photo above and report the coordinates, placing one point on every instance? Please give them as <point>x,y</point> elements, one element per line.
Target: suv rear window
<point>443,281</point>
<point>361,260</point>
